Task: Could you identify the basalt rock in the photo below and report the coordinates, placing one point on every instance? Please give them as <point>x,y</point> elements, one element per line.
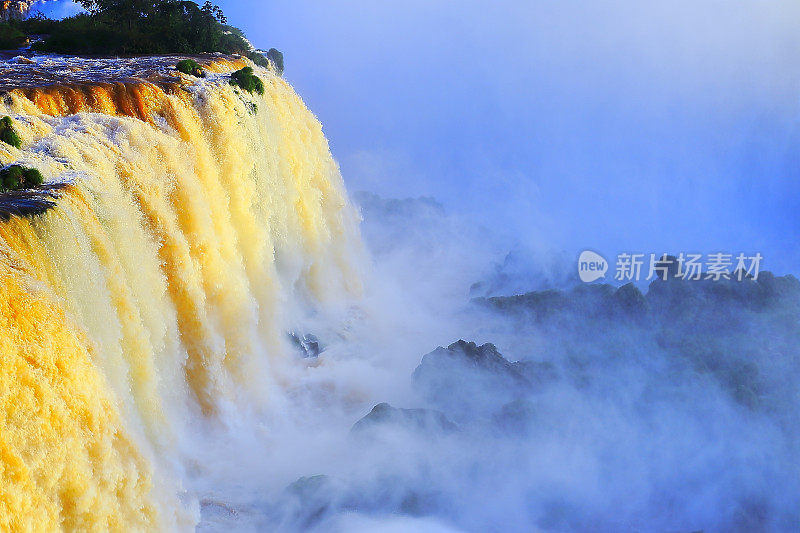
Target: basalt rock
<point>465,380</point>
<point>425,420</point>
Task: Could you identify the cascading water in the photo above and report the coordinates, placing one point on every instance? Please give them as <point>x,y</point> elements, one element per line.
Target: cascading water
<point>200,224</point>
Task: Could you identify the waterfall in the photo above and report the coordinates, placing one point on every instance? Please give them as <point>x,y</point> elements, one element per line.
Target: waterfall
<point>198,224</point>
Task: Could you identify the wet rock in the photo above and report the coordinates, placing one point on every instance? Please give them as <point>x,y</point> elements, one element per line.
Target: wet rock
<point>589,301</point>
<point>515,418</point>
<point>308,345</point>
<point>522,270</point>
<point>631,301</point>
<point>707,299</point>
<point>779,287</point>
<point>484,357</point>
<point>309,500</point>
<point>538,373</point>
<point>465,380</point>
<point>417,419</point>
<point>29,202</point>
<point>675,299</point>
<point>539,306</point>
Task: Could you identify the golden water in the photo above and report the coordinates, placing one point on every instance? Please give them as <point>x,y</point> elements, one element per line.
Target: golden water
<point>195,230</point>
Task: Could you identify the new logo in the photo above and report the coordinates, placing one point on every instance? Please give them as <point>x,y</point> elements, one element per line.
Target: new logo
<point>591,266</point>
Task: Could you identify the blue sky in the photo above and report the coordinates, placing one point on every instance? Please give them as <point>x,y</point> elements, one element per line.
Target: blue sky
<point>613,125</point>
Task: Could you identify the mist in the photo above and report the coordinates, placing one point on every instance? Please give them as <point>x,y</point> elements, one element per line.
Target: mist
<point>637,126</point>
<point>486,145</point>
<point>616,125</point>
<point>598,410</point>
<point>545,129</point>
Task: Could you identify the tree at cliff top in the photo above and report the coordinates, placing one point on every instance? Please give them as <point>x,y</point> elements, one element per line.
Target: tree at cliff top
<point>146,27</point>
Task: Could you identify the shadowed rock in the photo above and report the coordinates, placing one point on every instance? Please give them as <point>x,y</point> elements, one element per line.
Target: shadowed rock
<point>631,300</point>
<point>666,299</point>
<point>308,345</point>
<point>515,418</point>
<point>418,419</point>
<point>595,301</point>
<point>309,499</point>
<point>485,357</point>
<point>465,379</point>
<point>29,202</point>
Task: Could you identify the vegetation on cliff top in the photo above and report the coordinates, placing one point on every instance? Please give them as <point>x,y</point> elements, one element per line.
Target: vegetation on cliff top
<point>144,27</point>
<point>16,177</point>
<point>137,27</point>
<point>190,66</point>
<point>8,134</point>
<point>276,58</point>
<point>245,79</point>
<point>11,37</point>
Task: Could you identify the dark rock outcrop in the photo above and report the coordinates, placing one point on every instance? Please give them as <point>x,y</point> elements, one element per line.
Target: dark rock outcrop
<point>308,345</point>
<point>308,500</point>
<point>666,299</point>
<point>484,358</point>
<point>515,418</point>
<point>630,300</point>
<point>591,302</point>
<point>384,414</point>
<point>722,329</point>
<point>28,202</point>
<point>465,380</point>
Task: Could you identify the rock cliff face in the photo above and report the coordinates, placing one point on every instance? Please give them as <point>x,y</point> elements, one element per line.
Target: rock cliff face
<point>15,9</point>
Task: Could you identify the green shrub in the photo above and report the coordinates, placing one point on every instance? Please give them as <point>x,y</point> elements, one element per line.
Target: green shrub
<point>258,58</point>
<point>15,177</point>
<point>12,177</point>
<point>10,137</point>
<point>33,178</point>
<point>10,37</point>
<point>7,133</point>
<point>276,58</point>
<point>248,81</point>
<point>190,67</point>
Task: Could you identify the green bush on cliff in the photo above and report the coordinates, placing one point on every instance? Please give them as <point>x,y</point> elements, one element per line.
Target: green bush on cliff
<point>258,58</point>
<point>11,38</point>
<point>33,178</point>
<point>272,59</point>
<point>12,177</point>
<point>15,177</point>
<point>276,59</point>
<point>248,81</point>
<point>190,67</point>
<point>7,133</point>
